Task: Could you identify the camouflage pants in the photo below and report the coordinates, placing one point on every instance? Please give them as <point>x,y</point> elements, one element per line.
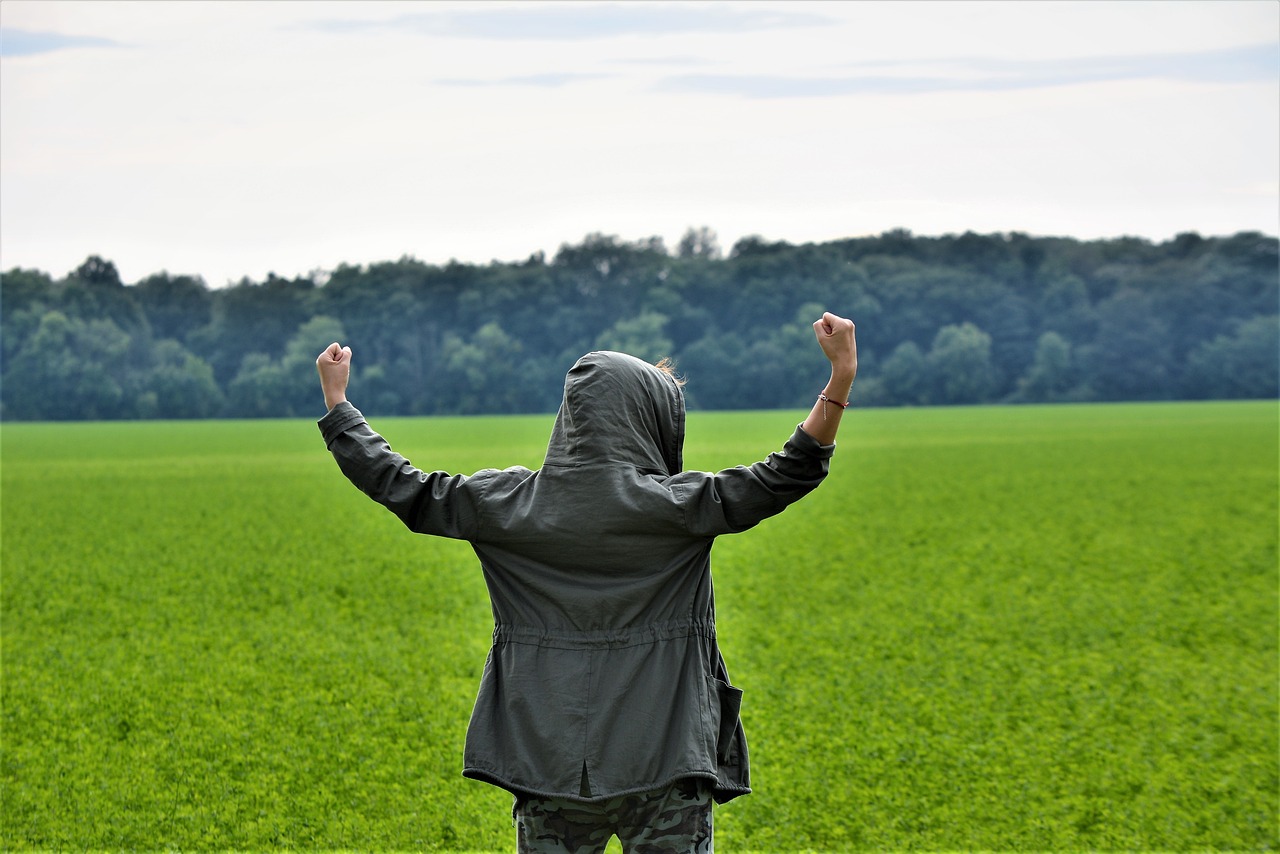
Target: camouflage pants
<point>675,820</point>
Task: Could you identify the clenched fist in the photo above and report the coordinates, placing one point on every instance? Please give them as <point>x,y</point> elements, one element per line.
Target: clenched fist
<point>334,367</point>
<point>836,337</point>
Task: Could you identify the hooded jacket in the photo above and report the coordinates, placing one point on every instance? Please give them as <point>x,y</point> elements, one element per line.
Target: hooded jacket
<point>604,677</point>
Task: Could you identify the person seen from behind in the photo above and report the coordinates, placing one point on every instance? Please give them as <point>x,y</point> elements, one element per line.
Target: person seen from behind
<point>605,706</point>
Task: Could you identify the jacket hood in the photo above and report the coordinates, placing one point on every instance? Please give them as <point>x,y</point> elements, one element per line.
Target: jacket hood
<point>622,410</point>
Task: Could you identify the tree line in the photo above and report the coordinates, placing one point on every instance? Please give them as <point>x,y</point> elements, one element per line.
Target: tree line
<point>956,319</point>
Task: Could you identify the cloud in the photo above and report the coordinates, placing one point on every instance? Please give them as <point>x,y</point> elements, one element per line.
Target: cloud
<point>556,80</point>
<point>1252,63</point>
<point>546,81</point>
<point>662,60</point>
<point>581,21</point>
<point>1227,65</point>
<point>28,43</point>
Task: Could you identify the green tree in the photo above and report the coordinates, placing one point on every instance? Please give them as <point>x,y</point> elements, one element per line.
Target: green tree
<point>982,253</point>
<point>25,296</point>
<point>311,338</point>
<point>905,375</point>
<point>642,336</point>
<point>485,371</point>
<point>175,306</point>
<point>906,290</point>
<point>261,389</point>
<point>1131,356</point>
<point>715,367</point>
<point>699,243</point>
<point>1052,373</point>
<point>1129,320</point>
<point>299,362</point>
<point>94,291</point>
<point>1065,308</point>
<point>251,318</point>
<point>611,276</point>
<point>960,364</point>
<point>1245,364</point>
<point>22,289</point>
<point>181,384</point>
<point>69,369</point>
<point>780,366</point>
<point>285,387</point>
<point>379,394</point>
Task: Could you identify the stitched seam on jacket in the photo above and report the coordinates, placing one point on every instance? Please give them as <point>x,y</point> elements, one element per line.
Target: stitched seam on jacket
<point>604,638</point>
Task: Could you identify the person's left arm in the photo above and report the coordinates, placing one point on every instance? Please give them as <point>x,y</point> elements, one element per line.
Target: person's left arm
<point>426,502</point>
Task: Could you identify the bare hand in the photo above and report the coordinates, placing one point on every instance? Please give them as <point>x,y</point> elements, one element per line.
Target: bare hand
<point>836,337</point>
<point>334,367</point>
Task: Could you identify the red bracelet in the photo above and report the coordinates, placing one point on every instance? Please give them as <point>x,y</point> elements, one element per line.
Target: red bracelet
<point>836,402</point>
<point>823,397</point>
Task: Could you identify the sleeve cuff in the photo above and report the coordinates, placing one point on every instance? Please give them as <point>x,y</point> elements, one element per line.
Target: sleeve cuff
<point>808,445</point>
<point>338,420</point>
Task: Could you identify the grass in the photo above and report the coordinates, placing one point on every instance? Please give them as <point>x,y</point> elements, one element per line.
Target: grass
<point>1039,628</point>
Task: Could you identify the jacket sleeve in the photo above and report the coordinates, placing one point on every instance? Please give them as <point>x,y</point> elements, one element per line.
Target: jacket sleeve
<point>739,498</point>
<point>427,503</point>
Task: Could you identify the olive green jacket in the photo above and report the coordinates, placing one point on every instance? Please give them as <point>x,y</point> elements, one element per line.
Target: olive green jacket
<point>604,677</point>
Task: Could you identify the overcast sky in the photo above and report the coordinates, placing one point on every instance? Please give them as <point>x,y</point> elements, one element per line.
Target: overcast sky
<point>229,139</point>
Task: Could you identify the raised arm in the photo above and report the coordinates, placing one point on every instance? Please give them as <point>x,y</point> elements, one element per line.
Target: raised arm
<point>835,336</point>
<point>426,502</point>
<point>736,499</point>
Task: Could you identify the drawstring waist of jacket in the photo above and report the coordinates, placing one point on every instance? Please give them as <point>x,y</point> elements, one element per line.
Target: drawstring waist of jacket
<point>603,638</point>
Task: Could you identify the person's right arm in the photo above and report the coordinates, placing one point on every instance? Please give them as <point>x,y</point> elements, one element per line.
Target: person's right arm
<point>738,498</point>
<point>836,337</point>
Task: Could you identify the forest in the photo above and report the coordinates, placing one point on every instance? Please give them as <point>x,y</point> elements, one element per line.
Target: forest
<point>941,320</point>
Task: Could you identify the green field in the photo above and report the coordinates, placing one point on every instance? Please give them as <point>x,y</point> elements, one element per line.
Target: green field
<point>1037,628</point>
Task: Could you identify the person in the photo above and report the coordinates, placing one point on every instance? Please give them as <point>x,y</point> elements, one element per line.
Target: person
<point>604,706</point>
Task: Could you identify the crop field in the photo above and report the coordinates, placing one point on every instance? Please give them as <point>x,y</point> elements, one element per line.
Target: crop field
<point>1009,628</point>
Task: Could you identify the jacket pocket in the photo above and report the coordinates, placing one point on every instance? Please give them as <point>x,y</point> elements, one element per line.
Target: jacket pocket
<point>730,702</point>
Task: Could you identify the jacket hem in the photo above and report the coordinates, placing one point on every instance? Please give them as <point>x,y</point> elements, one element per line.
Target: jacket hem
<point>720,793</point>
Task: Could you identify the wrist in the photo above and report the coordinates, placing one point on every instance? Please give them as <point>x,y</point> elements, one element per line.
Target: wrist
<point>839,385</point>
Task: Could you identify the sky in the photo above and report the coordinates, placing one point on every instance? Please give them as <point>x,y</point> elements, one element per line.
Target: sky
<point>233,139</point>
